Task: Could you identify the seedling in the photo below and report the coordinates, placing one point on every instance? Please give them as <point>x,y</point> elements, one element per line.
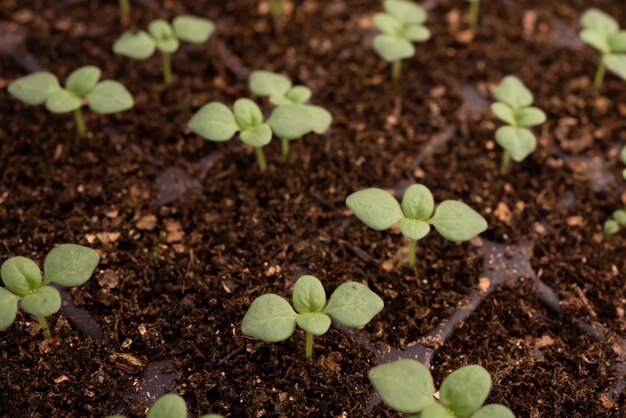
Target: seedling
<point>473,13</point>
<point>277,7</point>
<point>612,226</point>
<point>164,37</point>
<point>379,210</point>
<point>124,11</point>
<point>270,317</point>
<point>169,406</point>
<point>407,386</point>
<point>216,122</point>
<point>293,118</point>
<point>603,33</point>
<point>514,108</point>
<point>402,24</point>
<point>69,265</point>
<point>83,86</point>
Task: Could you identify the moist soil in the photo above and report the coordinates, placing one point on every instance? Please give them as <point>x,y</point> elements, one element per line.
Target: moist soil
<point>190,232</point>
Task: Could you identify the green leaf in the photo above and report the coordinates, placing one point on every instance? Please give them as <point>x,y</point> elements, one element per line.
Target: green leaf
<point>136,45</point>
<point>503,112</point>
<point>391,48</point>
<point>617,42</point>
<point>63,101</point>
<point>270,318</point>
<point>83,80</point>
<point>456,221</point>
<point>308,295</point>
<point>620,216</point>
<point>20,275</point>
<point>291,121</point>
<point>599,21</point>
<point>416,33</point>
<point>168,46</point>
<point>353,304</point>
<point>8,308</point>
<point>375,207</point>
<point>405,11</point>
<point>193,29</point>
<point>435,410</point>
<point>387,24</point>
<point>35,88</point>
<point>464,390</point>
<point>494,411</point>
<point>44,301</point>
<point>267,83</point>
<point>314,323</point>
<point>161,30</point>
<point>527,117</point>
<point>110,96</point>
<point>70,265</point>
<point>519,142</point>
<point>258,136</point>
<point>320,118</point>
<point>597,40</point>
<point>513,92</point>
<point>414,229</point>
<point>168,406</point>
<point>247,114</point>
<point>405,385</point>
<point>280,100</point>
<point>611,227</point>
<point>299,94</point>
<point>215,122</point>
<point>622,155</point>
<point>418,202</point>
<point>616,63</point>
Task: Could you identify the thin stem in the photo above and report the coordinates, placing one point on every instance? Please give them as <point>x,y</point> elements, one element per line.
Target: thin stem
<point>276,6</point>
<point>167,69</point>
<point>412,243</point>
<point>599,78</point>
<point>474,9</point>
<point>309,345</point>
<point>44,326</point>
<point>396,70</point>
<point>260,159</point>
<point>124,11</point>
<point>285,147</point>
<point>80,124</point>
<point>506,159</point>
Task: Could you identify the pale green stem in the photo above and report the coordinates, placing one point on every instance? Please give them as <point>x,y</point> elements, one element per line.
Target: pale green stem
<point>285,147</point>
<point>309,345</point>
<point>80,124</point>
<point>396,70</point>
<point>260,158</point>
<point>276,6</point>
<point>474,9</point>
<point>124,10</point>
<point>167,69</point>
<point>412,243</point>
<point>599,78</point>
<point>44,326</point>
<point>506,159</point>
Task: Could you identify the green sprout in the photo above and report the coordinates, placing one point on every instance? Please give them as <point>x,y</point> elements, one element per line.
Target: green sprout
<point>293,118</point>
<point>169,406</point>
<point>379,210</point>
<point>68,265</point>
<point>473,13</point>
<point>271,318</point>
<point>603,33</point>
<point>514,108</point>
<point>164,37</point>
<point>407,386</point>
<point>277,7</point>
<point>124,11</point>
<point>83,86</point>
<point>402,24</point>
<point>216,122</point>
<point>612,226</point>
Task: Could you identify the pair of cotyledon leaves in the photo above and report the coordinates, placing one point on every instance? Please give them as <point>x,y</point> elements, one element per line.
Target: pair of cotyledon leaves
<point>271,318</point>
<point>161,35</point>
<point>68,265</point>
<point>169,406</point>
<point>379,210</point>
<point>603,33</point>
<point>401,25</point>
<point>407,386</point>
<point>83,84</point>
<point>514,107</point>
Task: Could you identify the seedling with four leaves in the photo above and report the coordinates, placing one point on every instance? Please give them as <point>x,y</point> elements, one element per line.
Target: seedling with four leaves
<point>68,265</point>
<point>407,386</point>
<point>166,38</point>
<point>169,406</point>
<point>603,33</point>
<point>83,86</point>
<point>514,108</point>
<point>612,226</point>
<point>271,318</point>
<point>379,210</point>
<point>401,25</point>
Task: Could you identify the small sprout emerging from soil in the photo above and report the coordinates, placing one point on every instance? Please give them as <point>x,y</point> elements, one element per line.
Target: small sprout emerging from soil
<point>69,265</point>
<point>514,108</point>
<point>401,24</point>
<point>603,33</point>
<point>169,406</point>
<point>612,226</point>
<point>379,210</point>
<point>164,37</point>
<point>277,7</point>
<point>124,11</point>
<point>216,122</point>
<point>83,86</point>
<point>473,13</point>
<point>407,386</point>
<point>271,318</point>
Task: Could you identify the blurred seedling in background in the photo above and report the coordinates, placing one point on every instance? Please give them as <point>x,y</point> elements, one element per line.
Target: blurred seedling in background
<point>400,26</point>
<point>514,108</point>
<point>612,226</point>
<point>379,210</point>
<point>169,406</point>
<point>166,38</point>
<point>68,265</point>
<point>83,86</point>
<point>474,13</point>
<point>124,11</point>
<point>277,7</point>
<point>271,318</point>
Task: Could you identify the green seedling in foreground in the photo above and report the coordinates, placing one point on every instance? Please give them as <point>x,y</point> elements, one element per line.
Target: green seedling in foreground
<point>164,37</point>
<point>473,13</point>
<point>293,118</point>
<point>216,122</point>
<point>124,11</point>
<point>401,24</point>
<point>271,318</point>
<point>69,265</point>
<point>83,86</point>
<point>407,386</point>
<point>379,210</point>
<point>612,226</point>
<point>169,406</point>
<point>603,33</point>
<point>514,108</point>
